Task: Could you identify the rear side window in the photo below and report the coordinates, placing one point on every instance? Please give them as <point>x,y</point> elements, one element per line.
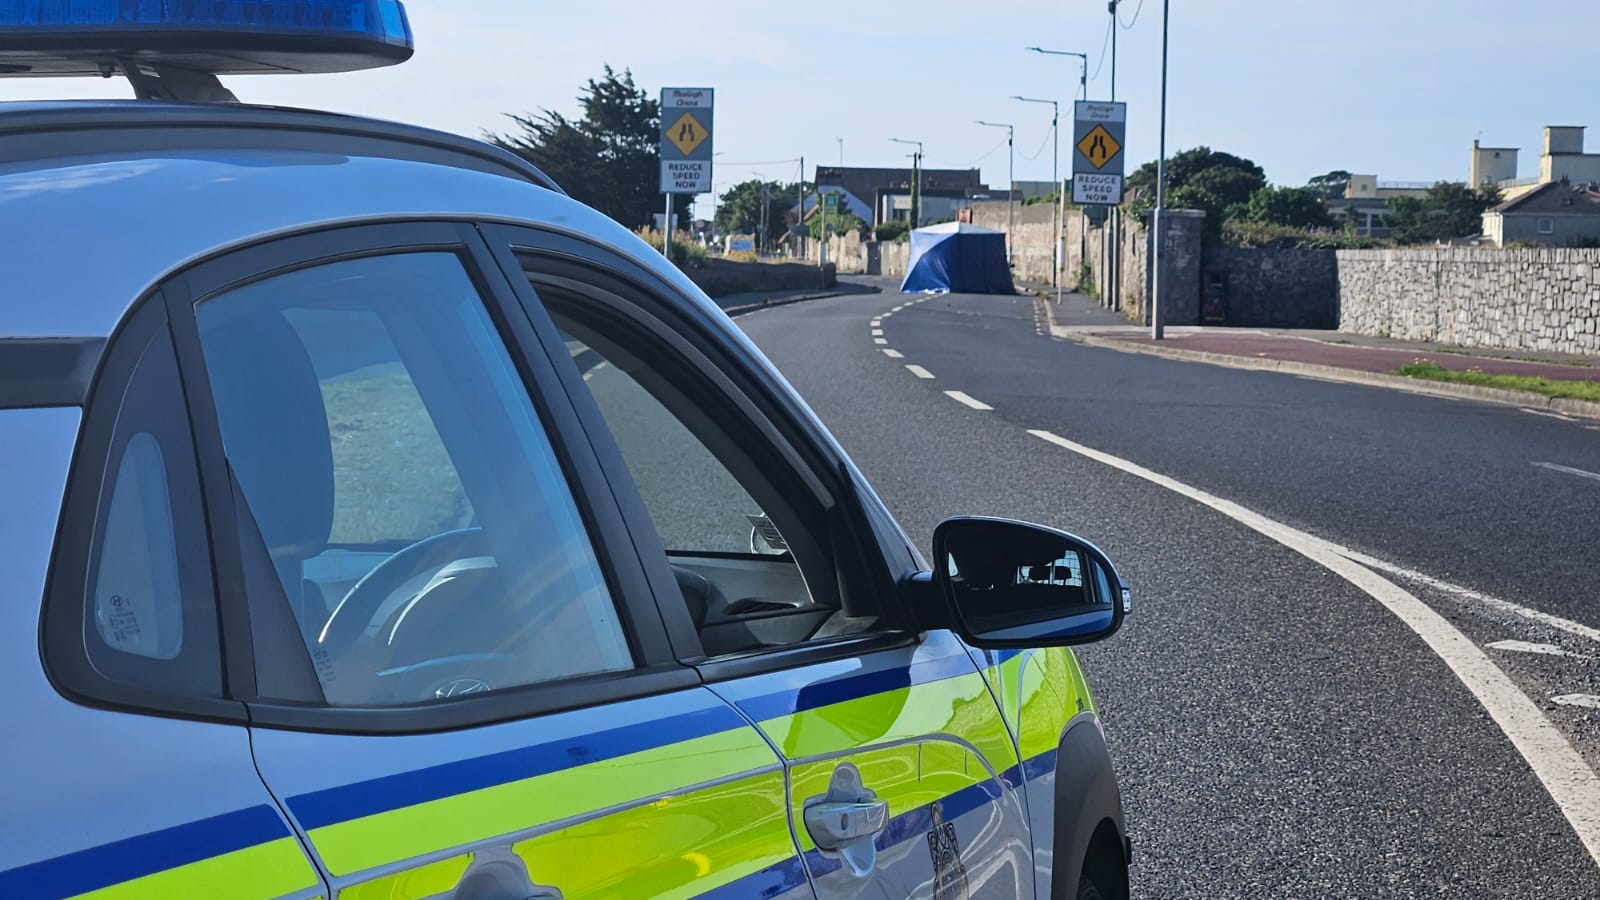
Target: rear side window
<point>150,609</point>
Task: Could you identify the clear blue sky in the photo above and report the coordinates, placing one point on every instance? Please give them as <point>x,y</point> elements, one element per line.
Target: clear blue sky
<point>1396,88</point>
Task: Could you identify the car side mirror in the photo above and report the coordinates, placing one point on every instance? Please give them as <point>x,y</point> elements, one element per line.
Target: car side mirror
<point>1013,585</point>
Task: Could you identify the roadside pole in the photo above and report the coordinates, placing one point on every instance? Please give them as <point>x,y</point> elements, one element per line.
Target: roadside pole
<point>1159,223</point>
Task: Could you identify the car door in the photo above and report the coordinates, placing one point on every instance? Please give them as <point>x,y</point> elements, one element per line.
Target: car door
<point>125,769</point>
<point>903,778</point>
<point>461,686</point>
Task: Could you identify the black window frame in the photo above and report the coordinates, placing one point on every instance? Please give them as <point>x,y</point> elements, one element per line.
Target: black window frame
<point>244,582</point>
<point>64,618</point>
<point>862,557</point>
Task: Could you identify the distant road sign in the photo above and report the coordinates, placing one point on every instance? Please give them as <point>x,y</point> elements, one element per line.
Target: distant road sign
<point>686,129</point>
<point>1098,146</point>
<point>1098,135</point>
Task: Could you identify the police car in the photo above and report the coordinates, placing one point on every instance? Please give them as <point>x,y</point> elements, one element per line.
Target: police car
<point>376,521</point>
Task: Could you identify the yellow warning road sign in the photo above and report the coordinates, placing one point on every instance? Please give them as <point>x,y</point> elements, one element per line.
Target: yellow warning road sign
<point>686,133</point>
<point>1098,146</point>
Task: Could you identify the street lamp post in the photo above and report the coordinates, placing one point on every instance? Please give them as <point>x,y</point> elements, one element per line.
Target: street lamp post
<point>916,180</point>
<point>1083,69</point>
<point>1159,223</point>
<point>1083,88</point>
<point>1055,176</point>
<point>1011,187</point>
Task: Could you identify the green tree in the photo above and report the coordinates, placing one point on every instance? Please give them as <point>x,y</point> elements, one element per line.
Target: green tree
<point>739,210</point>
<point>1332,185</point>
<point>1410,218</point>
<point>609,158</point>
<point>1294,207</point>
<point>1222,181</point>
<point>1449,210</point>
<point>1459,208</point>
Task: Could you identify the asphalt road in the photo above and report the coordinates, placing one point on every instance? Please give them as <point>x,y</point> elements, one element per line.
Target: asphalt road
<point>1277,731</point>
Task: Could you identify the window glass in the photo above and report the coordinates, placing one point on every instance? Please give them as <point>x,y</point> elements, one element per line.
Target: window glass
<point>735,529</point>
<point>151,605</point>
<point>137,601</point>
<point>399,477</point>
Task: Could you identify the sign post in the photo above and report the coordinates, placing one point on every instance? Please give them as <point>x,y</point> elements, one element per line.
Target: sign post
<point>686,124</point>
<point>1099,131</point>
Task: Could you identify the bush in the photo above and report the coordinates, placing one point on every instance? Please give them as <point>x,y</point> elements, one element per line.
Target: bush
<point>891,231</point>
<point>1243,233</point>
<point>686,252</point>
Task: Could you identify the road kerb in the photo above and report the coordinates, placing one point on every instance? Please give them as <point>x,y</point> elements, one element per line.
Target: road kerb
<point>1585,408</point>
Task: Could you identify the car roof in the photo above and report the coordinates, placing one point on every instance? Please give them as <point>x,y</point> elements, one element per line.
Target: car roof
<point>99,201</point>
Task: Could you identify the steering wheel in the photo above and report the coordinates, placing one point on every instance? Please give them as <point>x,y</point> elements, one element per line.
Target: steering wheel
<point>355,611</point>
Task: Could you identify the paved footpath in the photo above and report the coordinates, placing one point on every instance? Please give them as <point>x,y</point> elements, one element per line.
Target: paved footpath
<point>1332,354</point>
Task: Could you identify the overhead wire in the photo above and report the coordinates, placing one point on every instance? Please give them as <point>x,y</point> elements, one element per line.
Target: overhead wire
<point>1104,46</point>
<point>1036,153</point>
<point>1138,9</point>
<point>980,159</point>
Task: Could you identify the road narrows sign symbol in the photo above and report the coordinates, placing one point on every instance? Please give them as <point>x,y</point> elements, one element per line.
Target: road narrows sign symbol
<point>1099,147</point>
<point>686,134</point>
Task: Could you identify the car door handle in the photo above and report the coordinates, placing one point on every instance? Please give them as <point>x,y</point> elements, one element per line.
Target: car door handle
<point>833,825</point>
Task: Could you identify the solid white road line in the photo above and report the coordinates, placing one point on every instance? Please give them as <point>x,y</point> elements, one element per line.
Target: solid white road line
<point>880,341</point>
<point>1573,786</point>
<point>962,398</point>
<point>1568,470</point>
<point>893,354</point>
<point>1506,606</point>
<point>1545,412</point>
<point>920,372</point>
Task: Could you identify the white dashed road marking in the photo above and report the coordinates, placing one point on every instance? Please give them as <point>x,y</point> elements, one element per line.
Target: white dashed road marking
<point>1568,470</point>
<point>880,341</point>
<point>877,332</point>
<point>877,322</point>
<point>1588,701</point>
<point>920,372</point>
<point>1528,647</point>
<point>962,398</point>
<point>1573,786</point>
<point>893,354</point>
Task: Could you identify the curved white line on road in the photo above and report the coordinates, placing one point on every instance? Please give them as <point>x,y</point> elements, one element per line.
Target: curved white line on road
<point>1568,470</point>
<point>1506,606</point>
<point>1573,786</point>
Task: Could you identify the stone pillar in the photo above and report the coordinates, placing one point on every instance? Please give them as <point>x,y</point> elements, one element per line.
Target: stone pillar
<point>1180,266</point>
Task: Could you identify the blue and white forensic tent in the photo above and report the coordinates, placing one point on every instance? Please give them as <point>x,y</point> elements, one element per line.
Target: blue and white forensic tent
<point>958,258</point>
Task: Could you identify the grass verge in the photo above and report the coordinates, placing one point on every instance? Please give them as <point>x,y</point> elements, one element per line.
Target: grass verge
<point>1432,371</point>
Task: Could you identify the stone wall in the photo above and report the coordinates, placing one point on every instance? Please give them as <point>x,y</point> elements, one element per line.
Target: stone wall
<point>1270,288</point>
<point>852,254</point>
<point>1033,244</point>
<point>1104,254</point>
<point>719,277</point>
<point>1540,300</point>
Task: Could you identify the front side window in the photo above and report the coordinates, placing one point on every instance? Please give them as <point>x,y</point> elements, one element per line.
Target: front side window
<point>402,484</point>
<point>743,536</point>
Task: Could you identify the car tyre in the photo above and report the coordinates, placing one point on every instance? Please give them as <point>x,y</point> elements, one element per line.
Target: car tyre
<point>1088,890</point>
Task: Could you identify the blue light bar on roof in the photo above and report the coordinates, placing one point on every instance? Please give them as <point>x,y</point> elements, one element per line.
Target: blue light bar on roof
<point>84,37</point>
